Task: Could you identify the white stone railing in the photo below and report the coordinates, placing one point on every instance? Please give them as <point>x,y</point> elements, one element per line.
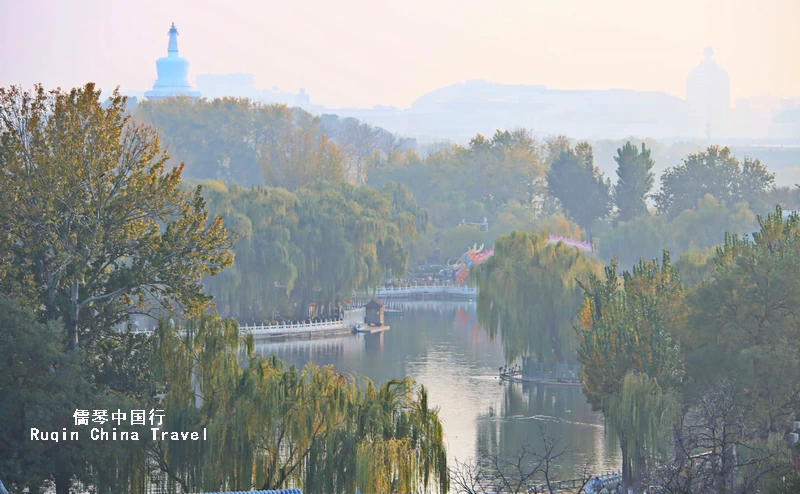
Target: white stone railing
<point>388,291</point>
<point>271,329</point>
<point>298,327</point>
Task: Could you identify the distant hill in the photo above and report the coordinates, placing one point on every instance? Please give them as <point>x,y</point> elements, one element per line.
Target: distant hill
<point>459,111</point>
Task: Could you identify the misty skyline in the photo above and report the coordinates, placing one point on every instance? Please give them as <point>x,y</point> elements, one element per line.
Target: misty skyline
<point>361,53</point>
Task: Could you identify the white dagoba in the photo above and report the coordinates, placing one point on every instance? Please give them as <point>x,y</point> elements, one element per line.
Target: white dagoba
<point>173,72</point>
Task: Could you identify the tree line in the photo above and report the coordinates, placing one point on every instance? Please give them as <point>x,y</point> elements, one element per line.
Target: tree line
<point>514,180</point>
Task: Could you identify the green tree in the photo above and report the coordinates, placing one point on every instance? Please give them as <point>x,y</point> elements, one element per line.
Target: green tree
<point>222,139</point>
<point>695,265</point>
<point>707,223</point>
<point>642,237</point>
<point>743,319</point>
<point>40,390</point>
<point>470,182</point>
<point>698,228</point>
<point>578,185</point>
<point>350,239</point>
<point>630,363</point>
<point>301,155</point>
<point>90,211</point>
<point>529,292</point>
<point>267,257</point>
<point>716,172</point>
<point>317,245</point>
<point>635,179</point>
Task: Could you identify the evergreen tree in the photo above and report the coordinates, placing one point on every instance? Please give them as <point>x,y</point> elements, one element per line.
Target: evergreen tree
<point>578,184</point>
<point>635,179</point>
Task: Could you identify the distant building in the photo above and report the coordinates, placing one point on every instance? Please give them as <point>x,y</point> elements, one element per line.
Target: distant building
<point>708,97</point>
<point>243,86</point>
<point>173,72</point>
<point>786,124</point>
<point>302,100</point>
<point>275,96</point>
<point>222,85</point>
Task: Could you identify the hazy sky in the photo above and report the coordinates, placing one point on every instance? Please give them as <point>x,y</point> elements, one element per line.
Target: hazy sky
<point>368,52</point>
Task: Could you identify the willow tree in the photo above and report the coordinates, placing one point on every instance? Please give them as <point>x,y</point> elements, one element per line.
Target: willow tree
<point>349,237</point>
<point>529,292</point>
<point>316,245</point>
<point>630,363</point>
<point>268,259</point>
<point>271,428</point>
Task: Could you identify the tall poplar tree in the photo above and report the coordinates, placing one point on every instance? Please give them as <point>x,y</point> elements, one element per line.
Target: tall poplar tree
<point>635,179</point>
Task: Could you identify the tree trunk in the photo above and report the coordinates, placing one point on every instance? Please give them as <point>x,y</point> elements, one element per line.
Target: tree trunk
<point>302,309</point>
<point>680,457</point>
<point>627,477</point>
<point>63,483</point>
<point>641,469</point>
<point>73,316</point>
<point>556,339</point>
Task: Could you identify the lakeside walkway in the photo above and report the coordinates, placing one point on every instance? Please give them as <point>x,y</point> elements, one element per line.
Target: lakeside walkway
<point>410,291</point>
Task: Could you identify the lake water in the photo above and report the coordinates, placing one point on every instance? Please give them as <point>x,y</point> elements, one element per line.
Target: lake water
<point>441,345</point>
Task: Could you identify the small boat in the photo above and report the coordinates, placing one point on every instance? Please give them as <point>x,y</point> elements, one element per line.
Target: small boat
<point>511,375</point>
<point>393,312</point>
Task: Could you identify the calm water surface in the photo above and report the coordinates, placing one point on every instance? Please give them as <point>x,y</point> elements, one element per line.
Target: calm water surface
<point>441,345</point>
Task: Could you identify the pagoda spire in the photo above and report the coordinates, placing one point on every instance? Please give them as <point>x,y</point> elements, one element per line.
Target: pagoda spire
<point>173,40</point>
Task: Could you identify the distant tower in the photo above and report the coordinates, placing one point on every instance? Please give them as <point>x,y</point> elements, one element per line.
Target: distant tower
<point>173,71</point>
<point>708,96</point>
<point>302,100</point>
